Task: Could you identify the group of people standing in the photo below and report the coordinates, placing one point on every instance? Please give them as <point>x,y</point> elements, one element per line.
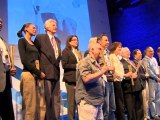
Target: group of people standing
<point>104,84</point>
<point>134,89</point>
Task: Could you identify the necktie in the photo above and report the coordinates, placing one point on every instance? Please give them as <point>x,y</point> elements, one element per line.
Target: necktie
<point>131,63</point>
<point>54,45</point>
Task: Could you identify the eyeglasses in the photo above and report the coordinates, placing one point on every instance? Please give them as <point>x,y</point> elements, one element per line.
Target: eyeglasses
<point>74,39</point>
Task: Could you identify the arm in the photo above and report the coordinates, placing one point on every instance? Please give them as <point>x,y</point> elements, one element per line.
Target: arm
<point>88,76</point>
<point>150,70</point>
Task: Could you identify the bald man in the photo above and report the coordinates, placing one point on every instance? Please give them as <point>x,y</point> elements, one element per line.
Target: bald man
<point>90,85</point>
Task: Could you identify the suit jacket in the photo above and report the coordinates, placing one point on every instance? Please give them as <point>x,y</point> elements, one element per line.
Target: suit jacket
<point>69,62</point>
<point>126,83</point>
<point>141,73</point>
<point>48,62</point>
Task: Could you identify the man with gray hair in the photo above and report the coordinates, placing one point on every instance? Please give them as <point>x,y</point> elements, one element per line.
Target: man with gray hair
<point>50,54</point>
<point>132,88</point>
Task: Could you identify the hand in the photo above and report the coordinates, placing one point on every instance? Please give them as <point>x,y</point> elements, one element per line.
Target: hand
<point>13,71</point>
<point>74,87</point>
<point>159,80</point>
<point>111,68</point>
<point>129,74</point>
<point>134,75</point>
<point>140,62</point>
<point>104,69</point>
<point>42,75</point>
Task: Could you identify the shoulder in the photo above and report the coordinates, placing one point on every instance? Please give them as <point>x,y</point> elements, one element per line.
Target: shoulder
<point>22,40</point>
<point>65,51</point>
<point>112,55</point>
<point>40,36</point>
<point>58,39</point>
<point>123,60</point>
<point>84,62</point>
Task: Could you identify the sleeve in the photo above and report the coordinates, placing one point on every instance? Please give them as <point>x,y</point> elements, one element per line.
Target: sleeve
<point>84,68</point>
<point>37,43</point>
<point>150,70</point>
<point>66,64</point>
<point>25,62</point>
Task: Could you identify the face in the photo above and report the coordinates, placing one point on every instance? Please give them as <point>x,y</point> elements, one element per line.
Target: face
<point>52,27</point>
<point>74,42</point>
<point>1,25</point>
<point>138,56</point>
<point>96,51</point>
<point>104,42</point>
<point>31,30</point>
<point>150,52</point>
<point>118,50</point>
<point>126,53</point>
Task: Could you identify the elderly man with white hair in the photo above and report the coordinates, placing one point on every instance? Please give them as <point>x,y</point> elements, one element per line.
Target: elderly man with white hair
<point>50,54</point>
<point>132,88</point>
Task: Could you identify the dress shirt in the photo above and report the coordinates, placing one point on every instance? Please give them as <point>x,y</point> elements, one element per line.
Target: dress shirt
<point>75,52</point>
<point>54,45</point>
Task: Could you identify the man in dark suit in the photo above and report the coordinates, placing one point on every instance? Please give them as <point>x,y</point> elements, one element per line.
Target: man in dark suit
<point>132,88</point>
<point>6,107</point>
<point>137,55</point>
<point>50,55</point>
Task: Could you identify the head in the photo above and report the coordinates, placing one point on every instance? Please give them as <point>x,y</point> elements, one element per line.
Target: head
<point>92,40</point>
<point>72,42</point>
<point>103,41</point>
<point>28,29</point>
<point>50,26</point>
<point>94,50</point>
<point>115,48</point>
<point>149,52</point>
<point>158,51</point>
<point>137,54</point>
<point>1,25</point>
<point>125,52</point>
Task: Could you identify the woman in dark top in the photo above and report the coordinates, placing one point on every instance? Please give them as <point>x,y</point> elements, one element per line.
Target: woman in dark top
<point>28,54</point>
<point>70,57</point>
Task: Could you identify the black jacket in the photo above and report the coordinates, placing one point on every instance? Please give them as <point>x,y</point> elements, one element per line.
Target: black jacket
<point>48,62</point>
<point>69,62</point>
<point>126,83</point>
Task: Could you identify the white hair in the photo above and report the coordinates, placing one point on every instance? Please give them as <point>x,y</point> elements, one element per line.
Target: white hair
<point>47,22</point>
<point>123,50</point>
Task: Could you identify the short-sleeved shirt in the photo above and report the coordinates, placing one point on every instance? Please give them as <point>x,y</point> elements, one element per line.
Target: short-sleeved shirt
<point>91,92</point>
